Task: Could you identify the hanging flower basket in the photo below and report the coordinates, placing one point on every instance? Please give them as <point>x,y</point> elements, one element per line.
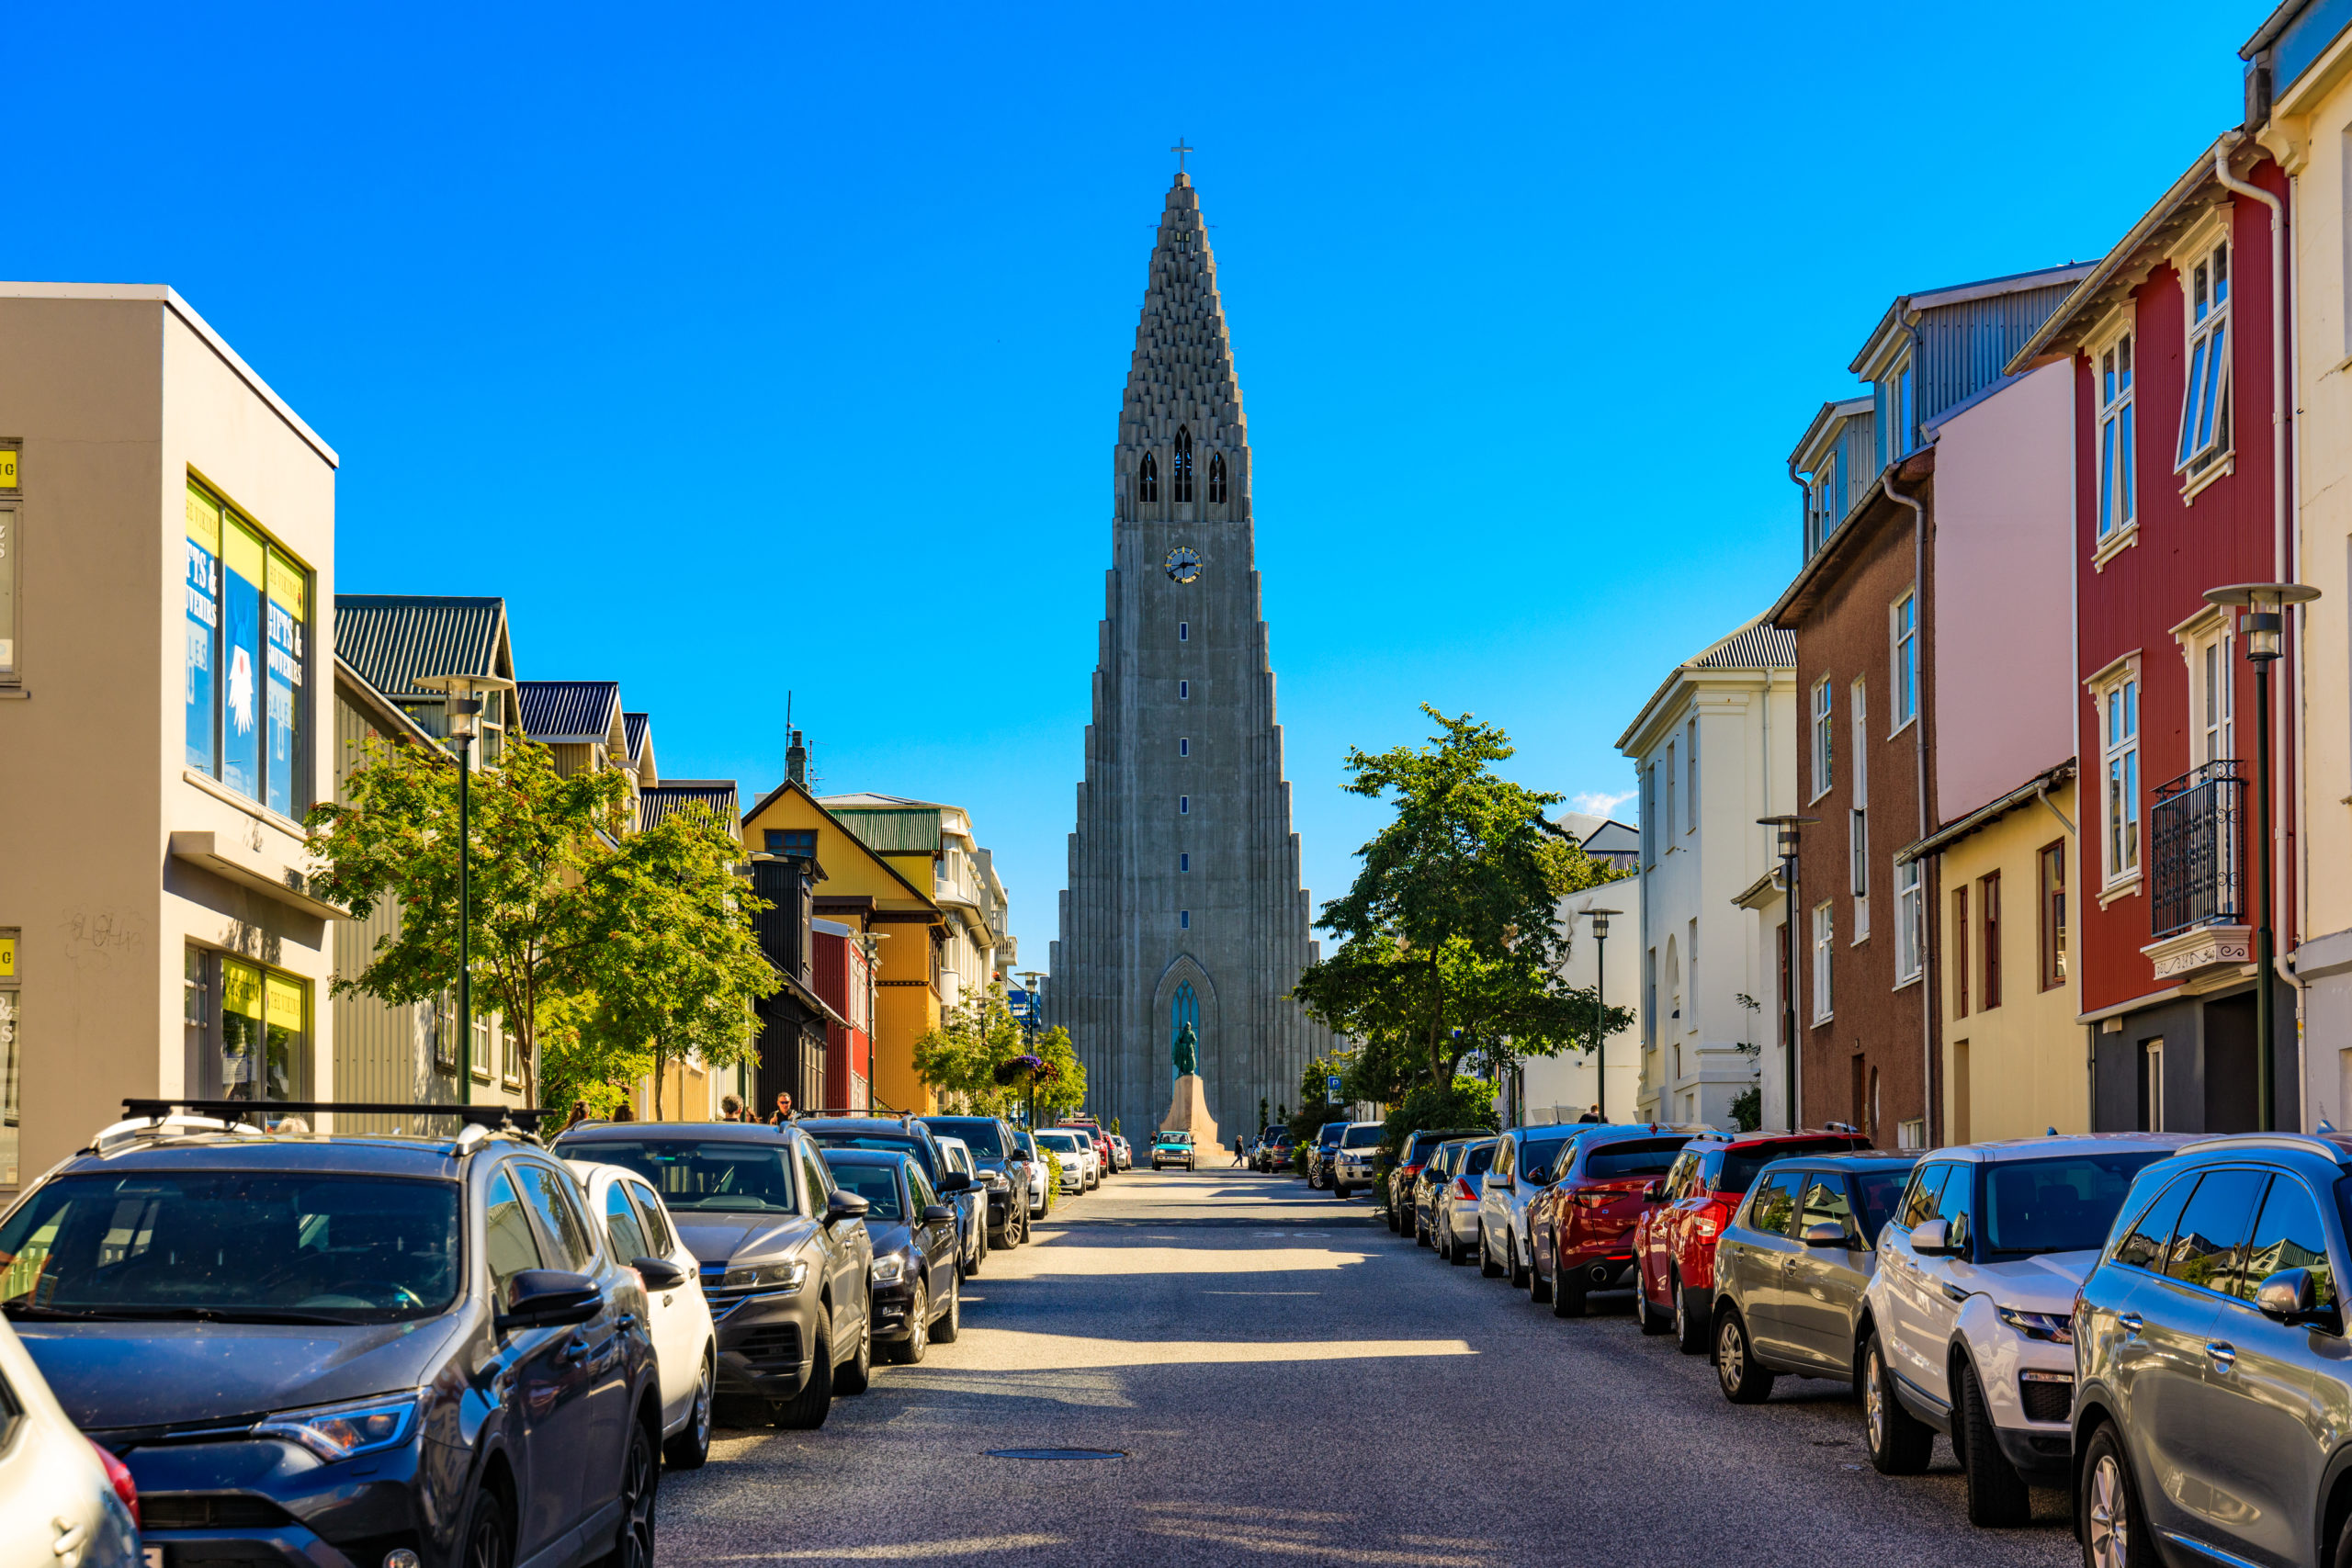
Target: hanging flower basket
<point>1022,1069</point>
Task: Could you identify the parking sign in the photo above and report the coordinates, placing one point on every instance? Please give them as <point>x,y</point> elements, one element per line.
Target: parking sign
<point>1331,1089</point>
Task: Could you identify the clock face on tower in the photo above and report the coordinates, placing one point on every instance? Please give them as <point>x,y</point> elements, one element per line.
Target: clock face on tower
<point>1183,563</point>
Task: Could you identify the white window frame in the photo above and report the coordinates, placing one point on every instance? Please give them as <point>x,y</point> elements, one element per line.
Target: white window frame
<point>1690,775</point>
<point>1825,937</point>
<point>1824,748</point>
<point>1667,817</point>
<point>1910,923</point>
<point>2112,379</point>
<point>1649,815</point>
<point>1903,651</point>
<point>2204,437</point>
<point>2121,848</point>
<point>2212,695</point>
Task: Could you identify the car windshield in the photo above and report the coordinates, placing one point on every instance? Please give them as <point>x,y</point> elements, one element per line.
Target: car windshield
<point>2057,1205</point>
<point>1635,1156</point>
<point>234,1245</point>
<point>1361,1137</point>
<point>718,1175</point>
<point>877,1184</point>
<point>1061,1142</point>
<point>980,1135</point>
<point>1740,1165</point>
<point>885,1142</point>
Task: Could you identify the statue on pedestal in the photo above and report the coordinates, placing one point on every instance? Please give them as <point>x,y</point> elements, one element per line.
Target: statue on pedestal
<point>1188,1108</point>
<point>1188,1052</point>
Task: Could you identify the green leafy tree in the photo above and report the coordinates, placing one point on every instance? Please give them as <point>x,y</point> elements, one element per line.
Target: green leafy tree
<point>972,1060</point>
<point>576,1067</point>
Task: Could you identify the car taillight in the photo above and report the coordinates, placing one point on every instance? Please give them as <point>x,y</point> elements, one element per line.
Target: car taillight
<point>1461,1189</point>
<point>1593,1200</point>
<point>1710,1219</point>
<point>119,1477</point>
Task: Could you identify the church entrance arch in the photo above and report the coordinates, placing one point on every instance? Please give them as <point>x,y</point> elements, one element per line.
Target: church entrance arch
<point>1184,995</point>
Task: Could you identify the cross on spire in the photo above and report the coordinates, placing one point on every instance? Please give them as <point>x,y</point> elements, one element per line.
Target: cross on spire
<point>1180,149</point>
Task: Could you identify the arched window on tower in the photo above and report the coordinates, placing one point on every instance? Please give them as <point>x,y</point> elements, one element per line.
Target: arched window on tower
<point>1184,1006</point>
<point>1216,479</point>
<point>1147,479</point>
<point>1181,489</point>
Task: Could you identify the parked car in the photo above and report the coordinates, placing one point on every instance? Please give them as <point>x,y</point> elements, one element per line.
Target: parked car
<point>908,1135</point>
<point>1454,1220</point>
<point>918,1291</point>
<point>1173,1148</point>
<point>1429,1188</point>
<point>2210,1343</point>
<point>1040,1173</point>
<point>1099,1142</point>
<point>971,1202</point>
<point>1089,1155</point>
<point>1347,1164</point>
<point>1419,1147</point>
<point>997,1153</point>
<point>1674,1242</point>
<point>1123,1156</point>
<point>1318,1153</point>
<point>783,1258</point>
<point>1581,1225</point>
<point>62,1499</point>
<point>1071,1150</point>
<point>1971,1310</point>
<point>1274,1150</point>
<point>638,1232</point>
<point>356,1339</point>
<point>1524,1158</point>
<point>1792,1268</point>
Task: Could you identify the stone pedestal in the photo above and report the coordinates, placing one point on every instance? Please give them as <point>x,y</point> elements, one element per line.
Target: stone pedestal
<point>1188,1111</point>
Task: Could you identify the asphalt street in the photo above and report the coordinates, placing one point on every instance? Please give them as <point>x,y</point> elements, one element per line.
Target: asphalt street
<point>1290,1383</point>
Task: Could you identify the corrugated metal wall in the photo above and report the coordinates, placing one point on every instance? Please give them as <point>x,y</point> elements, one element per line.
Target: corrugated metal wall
<point>1964,347</point>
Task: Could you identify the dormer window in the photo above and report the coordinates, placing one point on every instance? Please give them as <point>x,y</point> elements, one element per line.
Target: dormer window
<point>1216,479</point>
<point>2205,406</point>
<point>1148,478</point>
<point>1183,477</point>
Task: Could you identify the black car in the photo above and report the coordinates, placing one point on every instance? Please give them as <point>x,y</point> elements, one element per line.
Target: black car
<point>334,1352</point>
<point>783,1257</point>
<point>1002,1165</point>
<point>1419,1147</point>
<point>918,1291</point>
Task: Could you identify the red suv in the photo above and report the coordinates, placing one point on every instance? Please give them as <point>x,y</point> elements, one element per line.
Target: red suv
<point>1675,1242</point>
<point>1578,1228</point>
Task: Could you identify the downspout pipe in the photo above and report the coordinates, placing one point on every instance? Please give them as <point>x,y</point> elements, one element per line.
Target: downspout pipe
<point>1919,753</point>
<point>2282,545</point>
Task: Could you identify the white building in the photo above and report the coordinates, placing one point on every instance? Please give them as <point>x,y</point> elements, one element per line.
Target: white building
<point>1714,748</point>
<point>1563,1087</point>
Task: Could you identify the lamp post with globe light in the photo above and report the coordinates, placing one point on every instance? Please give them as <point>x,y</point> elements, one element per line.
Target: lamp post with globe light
<point>1599,918</point>
<point>464,706</point>
<point>2265,605</point>
<point>1788,827</point>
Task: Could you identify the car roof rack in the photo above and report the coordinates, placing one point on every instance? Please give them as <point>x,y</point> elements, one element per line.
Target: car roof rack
<point>2328,1148</point>
<point>496,1118</point>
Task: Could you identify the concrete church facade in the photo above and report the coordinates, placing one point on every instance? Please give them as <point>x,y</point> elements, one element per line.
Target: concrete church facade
<point>1184,904</point>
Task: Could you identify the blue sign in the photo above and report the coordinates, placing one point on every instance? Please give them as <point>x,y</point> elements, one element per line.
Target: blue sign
<point>1331,1089</point>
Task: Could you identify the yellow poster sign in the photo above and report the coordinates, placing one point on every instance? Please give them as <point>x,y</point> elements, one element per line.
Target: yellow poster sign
<point>7,958</point>
<point>7,467</point>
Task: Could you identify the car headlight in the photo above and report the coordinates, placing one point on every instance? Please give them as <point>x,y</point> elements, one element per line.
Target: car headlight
<point>783,1277</point>
<point>2048,1327</point>
<point>997,1182</point>
<point>888,1270</point>
<point>345,1431</point>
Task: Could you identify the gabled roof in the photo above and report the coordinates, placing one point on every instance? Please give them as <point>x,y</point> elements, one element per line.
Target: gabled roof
<point>569,710</point>
<point>789,787</point>
<point>389,639</point>
<point>1755,644</point>
<point>637,725</point>
<point>663,800</point>
<point>1907,307</point>
<point>1823,428</point>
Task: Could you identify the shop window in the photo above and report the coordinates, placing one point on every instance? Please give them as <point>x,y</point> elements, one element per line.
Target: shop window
<point>247,661</point>
<point>248,1029</point>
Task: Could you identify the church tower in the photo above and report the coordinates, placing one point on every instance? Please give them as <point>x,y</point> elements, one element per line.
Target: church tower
<point>1184,903</point>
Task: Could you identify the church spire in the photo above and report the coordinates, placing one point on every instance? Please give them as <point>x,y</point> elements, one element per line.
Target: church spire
<point>1184,447</point>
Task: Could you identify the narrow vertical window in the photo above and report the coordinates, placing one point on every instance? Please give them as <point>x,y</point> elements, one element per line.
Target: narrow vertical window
<point>1988,899</point>
<point>2053,916</point>
<point>1904,633</point>
<point>1183,745</point>
<point>1216,479</point>
<point>1910,921</point>
<point>241,663</point>
<point>1180,472</point>
<point>2120,749</point>
<point>2116,501</point>
<point>1825,933</point>
<point>1183,631</point>
<point>1691,761</point>
<point>1824,737</point>
<point>1183,919</point>
<point>1960,952</point>
<point>1148,478</point>
<point>1668,816</point>
<point>2151,1086</point>
<point>2205,402</point>
<point>1183,691</point>
<point>1183,863</point>
<point>289,615</point>
<point>1184,805</point>
<point>203,624</point>
<point>1649,816</point>
<point>2217,705</point>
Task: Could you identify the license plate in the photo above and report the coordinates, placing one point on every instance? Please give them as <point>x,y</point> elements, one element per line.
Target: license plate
<point>151,1557</point>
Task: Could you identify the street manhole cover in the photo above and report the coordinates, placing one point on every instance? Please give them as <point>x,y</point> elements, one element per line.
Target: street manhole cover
<point>1055,1453</point>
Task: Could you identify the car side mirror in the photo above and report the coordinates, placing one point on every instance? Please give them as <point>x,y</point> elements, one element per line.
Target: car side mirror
<point>938,1214</point>
<point>659,1273</point>
<point>2291,1296</point>
<point>954,1181</point>
<point>1932,1238</point>
<point>1825,1232</point>
<point>549,1298</point>
<point>1653,1193</point>
<point>845,1206</point>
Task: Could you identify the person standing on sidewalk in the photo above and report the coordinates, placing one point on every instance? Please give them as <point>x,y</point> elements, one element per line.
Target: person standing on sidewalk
<point>1239,1157</point>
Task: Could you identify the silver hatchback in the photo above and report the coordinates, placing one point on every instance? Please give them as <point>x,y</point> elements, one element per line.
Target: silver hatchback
<point>1454,1208</point>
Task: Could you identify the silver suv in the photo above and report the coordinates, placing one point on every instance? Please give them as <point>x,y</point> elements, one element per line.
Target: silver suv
<point>2215,1382</point>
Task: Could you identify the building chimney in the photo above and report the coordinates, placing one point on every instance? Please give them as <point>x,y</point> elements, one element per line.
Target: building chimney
<point>796,760</point>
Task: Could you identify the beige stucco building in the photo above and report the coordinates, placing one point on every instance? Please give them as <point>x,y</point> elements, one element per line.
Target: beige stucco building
<point>169,525</point>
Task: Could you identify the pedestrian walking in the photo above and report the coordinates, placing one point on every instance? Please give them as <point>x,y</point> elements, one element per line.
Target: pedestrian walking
<point>1593,1116</point>
<point>729,1108</point>
<point>783,1112</point>
<point>1238,1158</point>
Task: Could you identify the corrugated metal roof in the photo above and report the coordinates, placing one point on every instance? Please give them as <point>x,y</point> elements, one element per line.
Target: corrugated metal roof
<point>568,710</point>
<point>664,800</point>
<point>1753,646</point>
<point>392,638</point>
<point>635,725</point>
<point>897,831</point>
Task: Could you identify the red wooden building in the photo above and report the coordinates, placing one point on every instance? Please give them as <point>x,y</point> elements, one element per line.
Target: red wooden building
<point>843,976</point>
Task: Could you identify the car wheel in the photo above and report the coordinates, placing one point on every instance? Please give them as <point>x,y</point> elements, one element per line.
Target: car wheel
<point>2110,1508</point>
<point>1567,1292</point>
<point>1420,1230</point>
<point>910,1349</point>
<point>1451,1248</point>
<point>1997,1498</point>
<point>805,1411</point>
<point>857,1373</point>
<point>1538,1289</point>
<point>1690,1329</point>
<point>1654,1319</point>
<point>640,1479</point>
<point>1737,1372</point>
<point>691,1446</point>
<point>1516,1271</point>
<point>979,1255</point>
<point>951,1320</point>
<point>1898,1441</point>
<point>490,1534</point>
<point>1488,1267</point>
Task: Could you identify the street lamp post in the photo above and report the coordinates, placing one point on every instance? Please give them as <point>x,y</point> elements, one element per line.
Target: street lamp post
<point>1789,827</point>
<point>464,708</point>
<point>2265,604</point>
<point>1600,1004</point>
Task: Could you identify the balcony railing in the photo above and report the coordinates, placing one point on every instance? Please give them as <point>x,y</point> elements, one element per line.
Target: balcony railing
<point>2195,841</point>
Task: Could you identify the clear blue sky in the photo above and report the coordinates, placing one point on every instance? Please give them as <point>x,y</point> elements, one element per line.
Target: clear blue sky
<point>782,348</point>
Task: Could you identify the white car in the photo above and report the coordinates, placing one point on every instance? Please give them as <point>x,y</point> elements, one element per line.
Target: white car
<point>1352,1161</point>
<point>971,1203</point>
<point>1038,1174</point>
<point>685,1345</point>
<point>1525,1158</point>
<point>63,1500</point>
<point>1071,1149</point>
<point>1967,1326</point>
<point>1089,1156</point>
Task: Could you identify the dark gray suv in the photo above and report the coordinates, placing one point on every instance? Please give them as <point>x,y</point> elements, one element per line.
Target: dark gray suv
<point>2213,1412</point>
